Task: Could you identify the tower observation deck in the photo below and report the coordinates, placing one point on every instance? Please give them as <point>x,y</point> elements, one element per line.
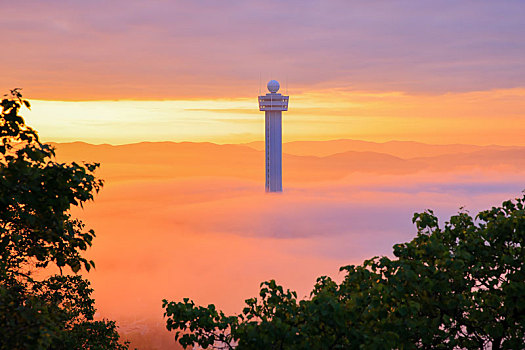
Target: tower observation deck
<point>273,104</point>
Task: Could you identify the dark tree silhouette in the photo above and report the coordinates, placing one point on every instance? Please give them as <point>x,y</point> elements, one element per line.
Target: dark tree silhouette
<point>458,286</point>
<point>37,231</point>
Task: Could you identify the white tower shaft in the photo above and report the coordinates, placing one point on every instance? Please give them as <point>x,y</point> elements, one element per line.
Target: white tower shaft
<point>273,104</point>
<point>274,163</point>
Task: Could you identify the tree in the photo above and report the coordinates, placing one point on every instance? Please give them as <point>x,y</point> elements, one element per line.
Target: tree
<point>457,286</point>
<point>38,231</point>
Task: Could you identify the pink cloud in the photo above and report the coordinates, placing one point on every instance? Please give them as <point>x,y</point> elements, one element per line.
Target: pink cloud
<point>161,49</point>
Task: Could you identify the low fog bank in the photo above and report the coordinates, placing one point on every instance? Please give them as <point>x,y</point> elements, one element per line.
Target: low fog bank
<point>214,236</point>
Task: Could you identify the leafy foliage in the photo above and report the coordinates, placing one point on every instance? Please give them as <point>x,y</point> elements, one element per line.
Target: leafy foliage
<point>457,286</point>
<point>37,231</point>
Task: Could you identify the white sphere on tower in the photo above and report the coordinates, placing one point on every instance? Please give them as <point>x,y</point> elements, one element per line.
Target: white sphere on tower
<point>273,86</point>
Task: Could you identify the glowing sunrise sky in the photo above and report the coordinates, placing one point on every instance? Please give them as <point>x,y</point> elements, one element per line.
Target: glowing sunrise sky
<point>436,72</point>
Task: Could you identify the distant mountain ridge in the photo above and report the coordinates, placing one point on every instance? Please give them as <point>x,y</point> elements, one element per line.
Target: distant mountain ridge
<point>401,149</point>
<point>161,160</point>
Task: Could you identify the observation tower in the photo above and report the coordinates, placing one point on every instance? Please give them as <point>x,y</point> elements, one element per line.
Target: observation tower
<point>273,104</point>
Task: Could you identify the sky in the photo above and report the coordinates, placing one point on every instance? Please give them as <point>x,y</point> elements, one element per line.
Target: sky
<point>129,71</point>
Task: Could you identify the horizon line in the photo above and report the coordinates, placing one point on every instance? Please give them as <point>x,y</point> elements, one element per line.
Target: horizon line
<point>286,142</point>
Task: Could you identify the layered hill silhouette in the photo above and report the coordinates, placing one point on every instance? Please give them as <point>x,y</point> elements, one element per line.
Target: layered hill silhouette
<point>302,161</point>
<point>401,149</point>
